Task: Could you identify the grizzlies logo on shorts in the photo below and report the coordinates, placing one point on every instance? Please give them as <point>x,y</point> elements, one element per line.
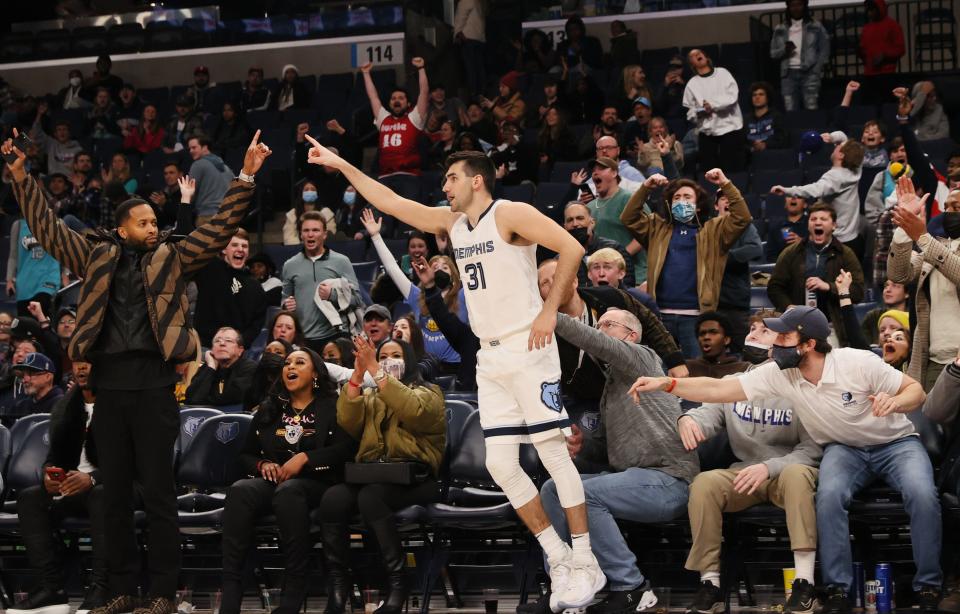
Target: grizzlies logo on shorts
<point>550,395</point>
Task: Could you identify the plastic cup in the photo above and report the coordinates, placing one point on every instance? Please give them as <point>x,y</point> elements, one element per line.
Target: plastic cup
<point>763,596</point>
<point>185,601</point>
<point>371,600</point>
<point>215,600</point>
<point>663,599</point>
<point>491,599</point>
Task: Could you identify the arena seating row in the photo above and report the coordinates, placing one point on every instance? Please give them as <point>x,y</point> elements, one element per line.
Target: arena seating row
<point>210,440</point>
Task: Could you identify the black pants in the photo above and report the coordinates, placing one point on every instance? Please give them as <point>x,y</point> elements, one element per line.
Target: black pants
<point>290,502</point>
<point>43,298</point>
<point>374,501</point>
<point>727,151</point>
<point>135,431</point>
<point>739,320</point>
<point>40,513</point>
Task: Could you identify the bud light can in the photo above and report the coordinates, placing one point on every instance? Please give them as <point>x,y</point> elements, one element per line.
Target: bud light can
<point>857,596</point>
<point>884,588</point>
<point>870,596</point>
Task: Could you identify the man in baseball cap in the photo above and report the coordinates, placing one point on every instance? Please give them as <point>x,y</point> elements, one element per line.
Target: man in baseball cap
<point>40,391</point>
<point>853,405</point>
<point>377,323</point>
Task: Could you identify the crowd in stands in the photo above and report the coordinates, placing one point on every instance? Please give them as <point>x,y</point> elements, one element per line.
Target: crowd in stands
<point>675,186</point>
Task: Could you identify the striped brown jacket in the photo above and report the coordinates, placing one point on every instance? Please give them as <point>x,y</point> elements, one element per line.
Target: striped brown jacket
<point>94,256</point>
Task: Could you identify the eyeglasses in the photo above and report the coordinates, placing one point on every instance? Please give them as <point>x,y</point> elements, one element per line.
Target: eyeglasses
<point>605,324</point>
<point>606,147</point>
<point>62,321</point>
<point>224,341</point>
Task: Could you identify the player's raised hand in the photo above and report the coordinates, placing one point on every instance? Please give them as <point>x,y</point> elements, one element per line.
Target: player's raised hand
<point>319,154</point>
<point>541,332</point>
<point>257,152</point>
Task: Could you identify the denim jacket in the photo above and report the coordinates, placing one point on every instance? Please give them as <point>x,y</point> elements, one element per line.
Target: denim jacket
<point>814,52</point>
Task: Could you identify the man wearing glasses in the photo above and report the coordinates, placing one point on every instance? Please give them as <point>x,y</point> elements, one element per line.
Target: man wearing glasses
<point>225,373</point>
<point>649,473</point>
<point>630,176</point>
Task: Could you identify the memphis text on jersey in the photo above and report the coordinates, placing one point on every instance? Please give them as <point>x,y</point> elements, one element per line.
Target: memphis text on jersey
<point>469,251</point>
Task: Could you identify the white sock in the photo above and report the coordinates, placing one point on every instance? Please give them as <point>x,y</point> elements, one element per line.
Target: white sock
<point>803,561</point>
<point>581,546</point>
<point>555,548</point>
<point>712,577</point>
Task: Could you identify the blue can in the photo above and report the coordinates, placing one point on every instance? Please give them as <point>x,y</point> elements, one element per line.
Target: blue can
<point>857,592</point>
<point>785,232</point>
<point>884,588</point>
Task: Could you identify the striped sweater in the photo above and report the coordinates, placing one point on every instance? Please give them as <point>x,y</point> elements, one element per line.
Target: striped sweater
<point>94,256</point>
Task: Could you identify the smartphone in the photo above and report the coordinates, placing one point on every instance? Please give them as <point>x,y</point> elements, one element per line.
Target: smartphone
<point>21,142</point>
<point>585,189</point>
<point>55,474</point>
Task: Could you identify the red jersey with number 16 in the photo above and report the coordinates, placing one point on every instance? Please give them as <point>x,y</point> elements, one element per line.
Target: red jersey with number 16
<point>397,147</point>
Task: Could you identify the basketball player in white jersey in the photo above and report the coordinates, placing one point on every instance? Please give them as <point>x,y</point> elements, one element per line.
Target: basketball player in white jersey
<point>518,368</point>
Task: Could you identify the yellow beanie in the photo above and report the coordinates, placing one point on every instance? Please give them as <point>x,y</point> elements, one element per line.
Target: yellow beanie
<point>900,316</point>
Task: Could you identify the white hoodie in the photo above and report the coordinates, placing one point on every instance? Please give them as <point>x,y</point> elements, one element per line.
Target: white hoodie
<point>719,88</point>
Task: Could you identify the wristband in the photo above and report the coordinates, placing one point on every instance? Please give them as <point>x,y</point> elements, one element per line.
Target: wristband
<point>350,381</point>
<point>242,176</point>
<point>673,384</point>
<point>843,295</point>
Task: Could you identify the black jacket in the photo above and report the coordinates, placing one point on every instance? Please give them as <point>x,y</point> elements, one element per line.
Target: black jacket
<point>26,405</point>
<point>327,449</point>
<point>205,388</point>
<point>459,335</point>
<point>228,297</point>
<point>69,434</point>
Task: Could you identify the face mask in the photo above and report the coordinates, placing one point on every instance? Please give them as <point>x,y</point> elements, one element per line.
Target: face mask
<point>271,362</point>
<point>442,279</point>
<point>951,224</point>
<point>393,366</point>
<point>786,357</point>
<point>309,196</point>
<point>349,197</point>
<point>75,81</point>
<point>582,235</point>
<point>754,353</point>
<point>683,211</point>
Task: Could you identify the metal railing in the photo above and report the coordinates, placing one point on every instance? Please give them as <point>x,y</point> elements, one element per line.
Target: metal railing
<point>929,31</point>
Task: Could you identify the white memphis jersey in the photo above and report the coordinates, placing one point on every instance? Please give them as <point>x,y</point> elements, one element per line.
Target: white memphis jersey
<point>499,279</point>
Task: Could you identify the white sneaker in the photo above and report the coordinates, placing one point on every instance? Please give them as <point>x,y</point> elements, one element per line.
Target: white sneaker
<point>559,579</point>
<point>584,583</point>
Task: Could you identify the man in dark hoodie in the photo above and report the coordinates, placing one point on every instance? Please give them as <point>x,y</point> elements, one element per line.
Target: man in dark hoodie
<point>212,175</point>
<point>881,42</point>
<point>76,490</point>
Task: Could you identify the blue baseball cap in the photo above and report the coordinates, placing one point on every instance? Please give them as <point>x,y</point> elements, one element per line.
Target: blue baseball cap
<point>35,361</point>
<point>806,320</point>
<point>642,100</point>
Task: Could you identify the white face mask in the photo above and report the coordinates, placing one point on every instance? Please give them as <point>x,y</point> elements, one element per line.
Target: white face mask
<point>75,81</point>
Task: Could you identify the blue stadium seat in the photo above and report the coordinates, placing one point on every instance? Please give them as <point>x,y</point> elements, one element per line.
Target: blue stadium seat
<point>366,271</point>
<point>549,196</point>
<point>759,298</point>
<point>20,428</point>
<point>764,180</point>
<point>191,418</point>
<point>26,464</point>
<point>861,309</point>
<point>281,253</point>
<point>356,251</point>
<point>522,193</point>
<point>561,171</point>
<point>774,159</point>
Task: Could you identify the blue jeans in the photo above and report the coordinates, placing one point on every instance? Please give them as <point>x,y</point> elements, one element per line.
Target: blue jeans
<point>800,86</point>
<point>905,466</point>
<point>684,331</point>
<point>637,494</point>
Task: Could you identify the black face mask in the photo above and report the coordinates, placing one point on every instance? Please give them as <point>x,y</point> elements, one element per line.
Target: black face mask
<point>272,363</point>
<point>582,235</point>
<point>951,224</point>
<point>755,355</point>
<point>786,357</point>
<point>442,279</point>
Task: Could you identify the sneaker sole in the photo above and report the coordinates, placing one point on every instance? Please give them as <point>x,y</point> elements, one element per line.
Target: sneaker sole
<point>716,608</point>
<point>60,608</point>
<point>599,582</point>
<point>814,606</point>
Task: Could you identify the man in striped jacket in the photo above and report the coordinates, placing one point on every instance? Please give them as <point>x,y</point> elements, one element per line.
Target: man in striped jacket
<point>132,327</point>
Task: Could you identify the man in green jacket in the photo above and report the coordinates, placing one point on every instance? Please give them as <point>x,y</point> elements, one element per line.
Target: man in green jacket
<point>806,271</point>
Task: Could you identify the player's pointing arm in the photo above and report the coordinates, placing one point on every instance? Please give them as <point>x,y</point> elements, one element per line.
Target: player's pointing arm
<point>427,219</point>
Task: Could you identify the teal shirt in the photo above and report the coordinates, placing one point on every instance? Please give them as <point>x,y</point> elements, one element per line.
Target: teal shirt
<point>606,212</point>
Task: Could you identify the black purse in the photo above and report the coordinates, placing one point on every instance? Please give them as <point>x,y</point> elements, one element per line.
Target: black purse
<point>405,473</point>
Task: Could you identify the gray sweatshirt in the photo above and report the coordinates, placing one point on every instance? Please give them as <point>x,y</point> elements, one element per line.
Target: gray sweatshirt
<point>302,275</point>
<point>839,188</point>
<point>943,401</point>
<point>636,436</point>
<point>767,432</point>
<point>213,179</point>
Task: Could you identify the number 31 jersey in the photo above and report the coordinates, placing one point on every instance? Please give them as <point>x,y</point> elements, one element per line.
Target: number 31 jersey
<point>499,279</point>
